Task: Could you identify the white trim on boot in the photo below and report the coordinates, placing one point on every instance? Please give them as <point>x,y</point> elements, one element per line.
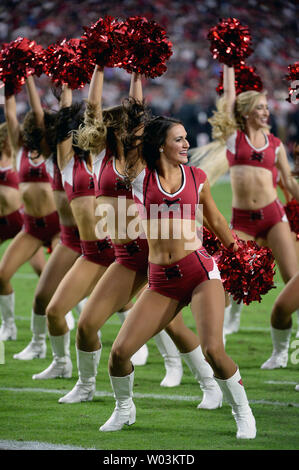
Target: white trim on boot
<point>125,410</point>
<point>234,393</point>
<point>172,360</point>
<point>140,356</point>
<point>8,330</point>
<point>85,387</point>
<point>232,317</point>
<point>279,356</point>
<point>61,366</point>
<point>203,373</point>
<point>37,348</point>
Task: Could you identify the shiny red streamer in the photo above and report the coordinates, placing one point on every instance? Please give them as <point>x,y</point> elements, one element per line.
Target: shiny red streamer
<point>230,42</point>
<point>18,60</point>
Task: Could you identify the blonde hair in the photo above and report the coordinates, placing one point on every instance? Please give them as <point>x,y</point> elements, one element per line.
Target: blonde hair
<point>3,135</point>
<point>115,123</point>
<point>223,124</point>
<point>92,134</point>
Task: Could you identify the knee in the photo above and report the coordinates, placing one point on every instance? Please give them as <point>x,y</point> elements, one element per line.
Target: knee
<point>213,351</point>
<point>53,313</point>
<point>85,329</point>
<point>4,279</point>
<point>40,303</point>
<point>118,354</point>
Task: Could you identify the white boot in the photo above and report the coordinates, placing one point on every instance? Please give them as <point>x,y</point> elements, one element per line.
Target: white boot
<point>124,411</point>
<point>61,366</point>
<point>140,356</point>
<point>280,341</point>
<point>8,330</point>
<point>85,387</point>
<point>37,347</point>
<point>234,393</point>
<point>172,360</point>
<point>80,305</point>
<point>203,373</point>
<point>69,318</point>
<point>297,333</point>
<point>232,317</point>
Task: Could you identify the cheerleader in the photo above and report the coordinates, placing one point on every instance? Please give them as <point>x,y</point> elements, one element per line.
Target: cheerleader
<point>257,214</point>
<point>104,135</point>
<point>180,270</point>
<point>96,255</point>
<point>11,211</point>
<point>41,221</point>
<point>61,260</point>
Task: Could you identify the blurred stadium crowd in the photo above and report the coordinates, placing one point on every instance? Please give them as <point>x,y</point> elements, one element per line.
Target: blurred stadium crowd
<point>188,88</point>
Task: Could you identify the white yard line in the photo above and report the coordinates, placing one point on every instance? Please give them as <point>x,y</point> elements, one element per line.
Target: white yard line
<point>35,445</point>
<point>154,396</point>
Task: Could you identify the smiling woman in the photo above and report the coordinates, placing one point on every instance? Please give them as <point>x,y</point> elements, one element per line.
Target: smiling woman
<point>177,276</point>
<point>254,156</point>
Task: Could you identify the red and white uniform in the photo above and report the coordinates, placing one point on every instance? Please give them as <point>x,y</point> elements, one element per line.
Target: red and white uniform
<point>154,202</point>
<point>177,280</point>
<point>9,177</point>
<point>78,181</point>
<point>12,223</point>
<point>29,171</point>
<point>109,182</point>
<point>240,151</point>
<point>69,235</point>
<point>54,175</point>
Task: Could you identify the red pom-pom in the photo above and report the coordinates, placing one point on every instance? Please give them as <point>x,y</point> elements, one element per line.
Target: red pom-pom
<point>65,64</point>
<point>293,77</point>
<point>230,41</point>
<point>248,273</point>
<point>101,42</point>
<point>292,212</point>
<point>145,47</point>
<point>209,241</point>
<point>19,59</point>
<point>245,79</point>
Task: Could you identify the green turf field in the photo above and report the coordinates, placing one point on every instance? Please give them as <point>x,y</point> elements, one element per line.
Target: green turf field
<point>167,418</point>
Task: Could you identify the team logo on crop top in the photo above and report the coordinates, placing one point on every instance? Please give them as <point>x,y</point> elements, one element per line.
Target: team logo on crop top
<point>35,172</point>
<point>91,183</point>
<point>257,156</point>
<point>120,185</point>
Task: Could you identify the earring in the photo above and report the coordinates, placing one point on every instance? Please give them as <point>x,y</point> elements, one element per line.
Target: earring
<point>160,149</point>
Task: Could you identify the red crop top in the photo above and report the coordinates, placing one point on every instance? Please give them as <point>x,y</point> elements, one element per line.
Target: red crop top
<point>28,170</point>
<point>9,177</point>
<point>77,179</point>
<point>54,175</point>
<point>240,151</point>
<point>154,202</point>
<point>107,180</point>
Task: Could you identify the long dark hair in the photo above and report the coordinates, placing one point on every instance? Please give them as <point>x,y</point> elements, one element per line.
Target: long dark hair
<point>32,135</point>
<point>68,120</point>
